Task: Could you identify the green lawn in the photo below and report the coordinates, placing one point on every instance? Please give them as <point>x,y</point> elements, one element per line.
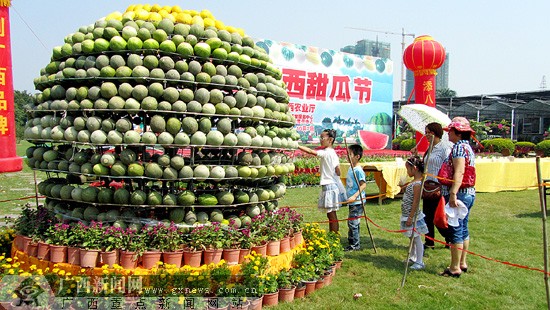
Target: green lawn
<point>505,226</point>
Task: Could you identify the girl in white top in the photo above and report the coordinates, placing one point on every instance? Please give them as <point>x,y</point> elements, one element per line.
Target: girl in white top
<point>329,200</point>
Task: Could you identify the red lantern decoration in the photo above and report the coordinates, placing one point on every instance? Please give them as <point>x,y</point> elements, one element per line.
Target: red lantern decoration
<point>423,57</point>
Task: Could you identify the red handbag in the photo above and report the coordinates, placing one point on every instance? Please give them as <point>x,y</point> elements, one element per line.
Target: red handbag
<point>440,218</point>
<point>446,173</point>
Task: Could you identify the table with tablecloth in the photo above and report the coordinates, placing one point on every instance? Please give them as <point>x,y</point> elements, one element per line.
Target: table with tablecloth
<point>492,174</point>
<point>388,175</point>
<point>509,173</point>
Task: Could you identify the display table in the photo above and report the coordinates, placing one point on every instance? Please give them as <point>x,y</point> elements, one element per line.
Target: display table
<point>492,175</point>
<point>388,175</point>
<point>509,173</point>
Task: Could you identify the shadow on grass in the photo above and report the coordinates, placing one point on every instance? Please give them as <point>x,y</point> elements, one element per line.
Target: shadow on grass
<point>531,215</point>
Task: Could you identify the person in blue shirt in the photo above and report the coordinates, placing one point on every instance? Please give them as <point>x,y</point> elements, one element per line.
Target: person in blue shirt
<point>353,190</point>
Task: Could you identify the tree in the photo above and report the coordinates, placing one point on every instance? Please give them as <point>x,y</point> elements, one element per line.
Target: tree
<point>445,93</point>
<point>20,100</point>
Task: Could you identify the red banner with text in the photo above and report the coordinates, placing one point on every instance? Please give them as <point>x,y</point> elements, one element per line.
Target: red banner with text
<point>9,161</point>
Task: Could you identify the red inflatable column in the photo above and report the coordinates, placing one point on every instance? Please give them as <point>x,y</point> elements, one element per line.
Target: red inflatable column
<point>9,161</point>
<point>423,57</point>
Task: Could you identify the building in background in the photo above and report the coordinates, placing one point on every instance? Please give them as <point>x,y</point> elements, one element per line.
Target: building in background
<point>441,79</point>
<point>369,48</point>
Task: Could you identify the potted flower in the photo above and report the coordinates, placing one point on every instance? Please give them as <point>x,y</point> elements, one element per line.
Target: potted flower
<point>155,240</point>
<point>170,243</point>
<point>232,245</point>
<point>245,243</point>
<point>74,241</point>
<point>92,237</point>
<point>296,277</point>
<point>209,238</point>
<point>133,245</point>
<point>25,227</point>
<point>258,241</point>
<point>58,238</point>
<point>286,286</point>
<point>336,249</point>
<point>110,244</point>
<point>270,289</point>
<point>274,235</point>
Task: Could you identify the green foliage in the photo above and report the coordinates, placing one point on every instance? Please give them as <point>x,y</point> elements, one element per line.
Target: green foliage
<point>407,144</point>
<point>445,93</point>
<point>523,148</point>
<point>20,99</point>
<point>543,146</point>
<point>498,145</point>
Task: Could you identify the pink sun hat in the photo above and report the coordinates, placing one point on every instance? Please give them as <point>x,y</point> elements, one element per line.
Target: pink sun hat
<point>460,124</point>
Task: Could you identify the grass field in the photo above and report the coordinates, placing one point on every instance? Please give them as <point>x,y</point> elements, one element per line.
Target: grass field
<point>505,226</point>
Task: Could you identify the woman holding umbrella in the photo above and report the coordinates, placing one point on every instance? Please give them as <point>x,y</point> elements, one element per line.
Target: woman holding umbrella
<point>440,151</point>
<point>460,191</point>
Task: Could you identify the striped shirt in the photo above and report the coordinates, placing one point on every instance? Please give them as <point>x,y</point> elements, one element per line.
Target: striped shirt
<point>407,203</point>
<point>461,149</point>
<point>439,153</point>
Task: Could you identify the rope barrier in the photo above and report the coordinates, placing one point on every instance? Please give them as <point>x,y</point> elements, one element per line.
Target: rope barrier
<point>439,241</point>
<point>22,198</point>
<point>496,186</point>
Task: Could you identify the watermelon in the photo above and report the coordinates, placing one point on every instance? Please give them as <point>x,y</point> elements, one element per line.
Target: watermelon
<point>380,122</point>
<point>373,140</point>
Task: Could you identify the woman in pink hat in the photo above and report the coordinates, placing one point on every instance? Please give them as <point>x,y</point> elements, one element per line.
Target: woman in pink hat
<point>462,159</point>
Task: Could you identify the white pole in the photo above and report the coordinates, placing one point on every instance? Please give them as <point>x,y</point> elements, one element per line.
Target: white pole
<point>512,126</point>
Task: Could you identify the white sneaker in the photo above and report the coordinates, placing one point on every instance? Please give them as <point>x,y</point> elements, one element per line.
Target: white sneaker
<point>410,261</point>
<point>417,266</point>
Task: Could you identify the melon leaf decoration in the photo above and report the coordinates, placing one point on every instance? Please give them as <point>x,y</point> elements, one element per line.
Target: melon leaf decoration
<point>373,140</point>
<point>161,101</point>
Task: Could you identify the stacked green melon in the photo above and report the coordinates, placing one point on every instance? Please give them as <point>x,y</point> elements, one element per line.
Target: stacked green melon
<point>162,115</point>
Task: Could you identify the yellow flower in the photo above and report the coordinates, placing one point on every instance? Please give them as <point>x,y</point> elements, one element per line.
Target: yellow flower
<point>68,291</point>
<point>8,259</point>
<point>11,271</point>
<point>82,270</point>
<point>256,268</point>
<point>33,267</point>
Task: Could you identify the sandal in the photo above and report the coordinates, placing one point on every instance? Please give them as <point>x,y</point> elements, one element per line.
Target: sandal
<point>464,269</point>
<point>447,273</point>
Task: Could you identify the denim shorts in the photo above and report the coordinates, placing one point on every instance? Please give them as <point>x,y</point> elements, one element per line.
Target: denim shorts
<point>460,233</point>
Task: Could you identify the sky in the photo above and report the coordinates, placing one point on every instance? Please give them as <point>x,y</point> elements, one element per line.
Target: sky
<point>495,46</point>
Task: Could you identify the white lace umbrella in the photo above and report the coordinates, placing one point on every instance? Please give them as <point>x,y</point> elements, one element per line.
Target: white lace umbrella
<point>420,115</point>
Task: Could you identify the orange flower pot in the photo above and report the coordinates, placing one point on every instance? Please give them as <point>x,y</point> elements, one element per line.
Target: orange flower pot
<point>73,255</point>
<point>212,256</point>
<point>231,256</point>
<point>192,258</point>
<point>271,299</point>
<point>173,258</point>
<point>58,253</point>
<point>273,248</point>
<point>287,294</point>
<point>284,245</point>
